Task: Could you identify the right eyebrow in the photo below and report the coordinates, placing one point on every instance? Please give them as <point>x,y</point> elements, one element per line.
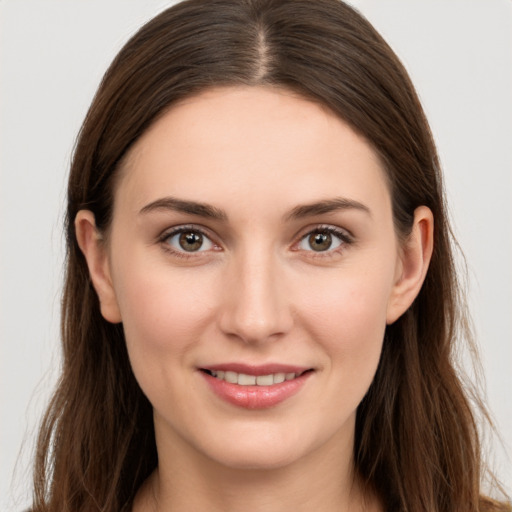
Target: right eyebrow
<point>184,206</point>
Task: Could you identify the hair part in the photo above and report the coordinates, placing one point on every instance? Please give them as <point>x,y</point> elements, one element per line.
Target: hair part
<point>416,442</point>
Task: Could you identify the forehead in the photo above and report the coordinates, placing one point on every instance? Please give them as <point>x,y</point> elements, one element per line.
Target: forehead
<point>257,144</point>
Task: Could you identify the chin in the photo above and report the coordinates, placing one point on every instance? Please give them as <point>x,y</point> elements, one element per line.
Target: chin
<point>264,450</point>
<point>261,458</point>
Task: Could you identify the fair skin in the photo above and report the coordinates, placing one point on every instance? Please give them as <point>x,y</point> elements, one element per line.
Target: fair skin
<point>294,260</point>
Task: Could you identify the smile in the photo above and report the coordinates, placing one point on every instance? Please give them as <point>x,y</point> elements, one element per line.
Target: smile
<point>255,387</point>
<point>244,379</point>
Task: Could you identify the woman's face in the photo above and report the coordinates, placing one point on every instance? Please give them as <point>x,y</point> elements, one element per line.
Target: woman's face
<point>252,243</point>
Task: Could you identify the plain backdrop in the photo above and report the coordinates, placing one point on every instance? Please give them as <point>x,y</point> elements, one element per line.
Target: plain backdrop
<point>52,56</point>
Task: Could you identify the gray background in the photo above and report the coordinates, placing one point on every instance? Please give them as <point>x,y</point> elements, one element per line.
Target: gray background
<point>52,56</point>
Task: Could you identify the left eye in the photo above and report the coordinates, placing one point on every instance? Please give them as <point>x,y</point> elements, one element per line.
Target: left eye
<point>322,240</point>
<point>189,240</point>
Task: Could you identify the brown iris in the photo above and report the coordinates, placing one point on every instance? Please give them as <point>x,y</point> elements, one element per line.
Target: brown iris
<point>190,241</point>
<point>320,241</point>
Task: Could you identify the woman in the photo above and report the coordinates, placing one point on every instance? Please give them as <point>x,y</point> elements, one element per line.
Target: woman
<point>260,304</point>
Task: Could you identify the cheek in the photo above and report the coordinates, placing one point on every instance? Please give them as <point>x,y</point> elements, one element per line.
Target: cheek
<point>165,312</point>
<point>163,309</point>
<point>347,314</point>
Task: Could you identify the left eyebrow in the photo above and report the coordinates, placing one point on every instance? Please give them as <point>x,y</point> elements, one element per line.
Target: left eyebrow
<point>325,206</point>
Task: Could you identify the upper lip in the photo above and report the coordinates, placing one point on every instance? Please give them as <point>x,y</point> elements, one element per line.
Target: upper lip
<point>256,370</point>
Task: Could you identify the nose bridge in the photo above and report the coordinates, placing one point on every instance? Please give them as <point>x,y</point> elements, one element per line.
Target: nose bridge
<point>257,308</point>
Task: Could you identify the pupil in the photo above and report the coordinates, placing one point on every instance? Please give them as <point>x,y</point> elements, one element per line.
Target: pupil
<point>191,241</point>
<point>320,241</point>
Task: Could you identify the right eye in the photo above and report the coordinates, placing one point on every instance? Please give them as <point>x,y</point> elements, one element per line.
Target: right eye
<point>188,240</point>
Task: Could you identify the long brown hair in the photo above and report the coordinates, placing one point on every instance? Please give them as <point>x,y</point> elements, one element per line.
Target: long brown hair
<point>416,443</point>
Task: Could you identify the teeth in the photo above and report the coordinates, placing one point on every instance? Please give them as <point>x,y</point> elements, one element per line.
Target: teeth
<point>243,379</point>
<point>246,380</point>
<point>265,380</point>
<point>231,377</point>
<point>279,377</point>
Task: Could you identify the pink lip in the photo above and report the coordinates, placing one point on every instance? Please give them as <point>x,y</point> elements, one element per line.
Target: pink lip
<point>256,397</point>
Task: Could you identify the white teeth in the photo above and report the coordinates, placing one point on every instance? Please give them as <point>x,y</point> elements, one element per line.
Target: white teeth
<point>246,380</point>
<point>242,379</point>
<point>279,377</point>
<point>231,377</point>
<point>264,380</point>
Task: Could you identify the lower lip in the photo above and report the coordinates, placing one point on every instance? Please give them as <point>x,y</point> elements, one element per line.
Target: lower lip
<point>256,397</point>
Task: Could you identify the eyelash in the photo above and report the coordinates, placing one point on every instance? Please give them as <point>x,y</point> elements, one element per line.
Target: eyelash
<point>345,238</point>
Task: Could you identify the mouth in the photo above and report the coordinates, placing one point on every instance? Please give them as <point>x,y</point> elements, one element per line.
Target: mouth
<point>246,379</point>
<point>255,387</point>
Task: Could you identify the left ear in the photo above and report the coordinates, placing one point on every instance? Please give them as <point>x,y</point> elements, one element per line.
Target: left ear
<point>415,257</point>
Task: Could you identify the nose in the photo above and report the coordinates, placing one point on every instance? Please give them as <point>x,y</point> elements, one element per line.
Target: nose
<point>256,308</point>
